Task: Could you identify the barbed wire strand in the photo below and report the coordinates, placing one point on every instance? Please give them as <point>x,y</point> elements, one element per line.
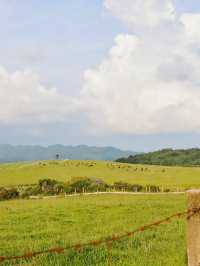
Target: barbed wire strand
<point>107,241</point>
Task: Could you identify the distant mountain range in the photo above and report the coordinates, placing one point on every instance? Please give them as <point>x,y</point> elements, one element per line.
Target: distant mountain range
<point>189,157</point>
<point>9,153</point>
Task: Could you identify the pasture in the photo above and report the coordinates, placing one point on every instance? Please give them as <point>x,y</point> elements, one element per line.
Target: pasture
<point>28,225</point>
<point>168,177</point>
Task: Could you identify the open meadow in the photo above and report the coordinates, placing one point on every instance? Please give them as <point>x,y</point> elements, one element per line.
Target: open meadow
<point>36,225</point>
<point>168,177</point>
<point>32,225</point>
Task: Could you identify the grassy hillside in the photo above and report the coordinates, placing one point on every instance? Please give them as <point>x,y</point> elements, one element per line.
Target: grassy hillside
<point>190,157</point>
<point>28,225</point>
<point>30,173</point>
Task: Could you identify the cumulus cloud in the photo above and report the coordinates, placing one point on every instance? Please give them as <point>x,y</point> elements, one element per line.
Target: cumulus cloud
<point>191,23</point>
<point>24,100</point>
<point>149,82</point>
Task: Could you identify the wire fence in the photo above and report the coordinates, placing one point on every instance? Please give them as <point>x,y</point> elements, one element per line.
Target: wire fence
<point>105,241</point>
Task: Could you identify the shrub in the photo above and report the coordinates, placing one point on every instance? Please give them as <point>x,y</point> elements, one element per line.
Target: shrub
<point>98,185</point>
<point>136,188</point>
<point>48,186</point>
<point>122,186</point>
<point>81,185</point>
<point>3,193</point>
<point>85,184</point>
<point>31,191</point>
<point>13,193</point>
<point>153,188</point>
<point>6,194</point>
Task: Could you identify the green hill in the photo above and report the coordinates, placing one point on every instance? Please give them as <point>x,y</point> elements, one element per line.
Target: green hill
<point>170,157</point>
<point>174,178</point>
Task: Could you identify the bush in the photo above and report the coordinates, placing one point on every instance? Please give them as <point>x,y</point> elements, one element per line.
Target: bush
<point>13,193</point>
<point>50,187</point>
<point>153,188</point>
<point>98,185</point>
<point>3,193</point>
<point>136,188</point>
<point>80,185</point>
<point>121,186</point>
<point>31,191</point>
<point>6,194</point>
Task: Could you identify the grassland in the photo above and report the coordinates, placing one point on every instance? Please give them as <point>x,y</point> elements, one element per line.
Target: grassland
<point>28,225</point>
<point>30,173</point>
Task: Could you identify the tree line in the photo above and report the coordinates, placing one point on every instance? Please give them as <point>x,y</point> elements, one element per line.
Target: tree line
<point>167,157</point>
<point>51,187</point>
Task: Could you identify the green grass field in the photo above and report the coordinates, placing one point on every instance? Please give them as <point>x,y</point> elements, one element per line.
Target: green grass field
<point>30,173</point>
<point>28,225</point>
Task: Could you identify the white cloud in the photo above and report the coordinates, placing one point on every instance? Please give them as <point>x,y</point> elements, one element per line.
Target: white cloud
<point>23,99</point>
<point>148,83</point>
<point>148,13</point>
<point>191,22</point>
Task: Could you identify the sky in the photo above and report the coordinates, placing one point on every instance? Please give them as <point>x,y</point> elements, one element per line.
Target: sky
<point>123,73</point>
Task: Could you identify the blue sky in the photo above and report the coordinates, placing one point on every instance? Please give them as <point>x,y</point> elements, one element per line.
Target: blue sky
<point>58,41</point>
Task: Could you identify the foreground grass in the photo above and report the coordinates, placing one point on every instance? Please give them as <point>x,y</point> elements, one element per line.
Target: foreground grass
<point>168,177</point>
<point>28,225</point>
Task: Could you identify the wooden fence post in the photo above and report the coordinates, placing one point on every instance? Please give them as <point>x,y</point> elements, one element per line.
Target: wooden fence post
<point>193,229</point>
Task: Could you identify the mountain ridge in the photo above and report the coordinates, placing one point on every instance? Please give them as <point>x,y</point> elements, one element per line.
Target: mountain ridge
<point>16,153</point>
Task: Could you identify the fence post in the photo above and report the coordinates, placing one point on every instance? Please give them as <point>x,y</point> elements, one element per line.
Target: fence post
<point>193,229</point>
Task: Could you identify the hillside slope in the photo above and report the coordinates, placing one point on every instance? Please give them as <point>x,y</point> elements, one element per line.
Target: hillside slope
<point>31,172</point>
<point>170,157</point>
